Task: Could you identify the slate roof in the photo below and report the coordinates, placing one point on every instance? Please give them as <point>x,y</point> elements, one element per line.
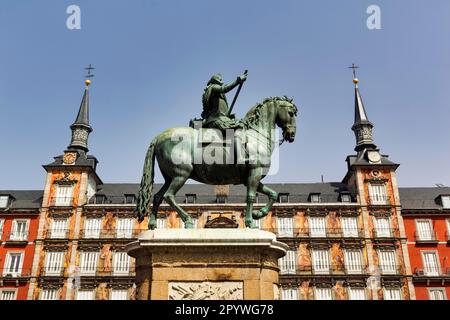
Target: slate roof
<point>422,198</point>
<point>24,199</point>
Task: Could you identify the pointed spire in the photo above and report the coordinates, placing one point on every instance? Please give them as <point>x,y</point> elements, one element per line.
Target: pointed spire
<point>362,126</point>
<point>81,128</point>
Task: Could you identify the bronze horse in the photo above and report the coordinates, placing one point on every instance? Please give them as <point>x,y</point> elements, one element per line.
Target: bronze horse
<point>176,158</point>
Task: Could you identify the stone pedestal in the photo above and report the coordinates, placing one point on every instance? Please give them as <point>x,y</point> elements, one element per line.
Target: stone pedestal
<point>202,264</point>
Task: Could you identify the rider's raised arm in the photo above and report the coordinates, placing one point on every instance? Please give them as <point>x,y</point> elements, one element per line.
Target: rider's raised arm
<point>227,87</point>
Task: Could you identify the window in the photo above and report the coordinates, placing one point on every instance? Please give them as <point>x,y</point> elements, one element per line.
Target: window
<point>320,261</point>
<point>19,230</point>
<point>285,226</point>
<point>392,294</point>
<point>8,295</point>
<point>353,261</point>
<point>387,262</point>
<point>283,197</point>
<point>323,294</point>
<point>356,293</point>
<point>382,228</point>
<point>100,199</point>
<point>92,228</point>
<point>346,197</point>
<point>448,229</point>
<point>430,263</point>
<point>378,194</point>
<point>88,263</point>
<point>121,263</point>
<point>445,202</point>
<point>289,294</point>
<point>49,294</point>
<point>130,199</point>
<point>54,264</point>
<point>317,227</point>
<point>124,228</point>
<point>424,230</point>
<point>194,222</point>
<point>64,195</point>
<point>85,295</point>
<point>4,201</point>
<point>437,294</point>
<point>288,263</point>
<point>221,199</point>
<point>119,294</point>
<point>2,223</point>
<point>13,264</point>
<point>314,197</point>
<point>58,229</point>
<point>349,227</point>
<point>160,223</point>
<point>191,198</point>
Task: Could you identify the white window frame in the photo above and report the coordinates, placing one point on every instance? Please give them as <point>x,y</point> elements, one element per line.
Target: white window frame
<point>349,227</point>
<point>288,263</point>
<point>92,228</point>
<point>317,229</point>
<point>18,269</point>
<point>445,199</point>
<point>89,262</point>
<point>441,290</point>
<point>54,262</point>
<point>353,261</point>
<point>428,269</point>
<point>58,229</point>
<point>4,201</point>
<point>2,225</point>
<point>63,198</point>
<point>354,293</point>
<point>49,294</point>
<point>121,263</point>
<point>387,267</point>
<point>125,228</point>
<point>388,294</point>
<point>289,293</point>
<point>19,235</point>
<point>378,193</point>
<point>85,291</point>
<point>385,230</point>
<point>320,259</point>
<point>117,294</point>
<point>285,226</point>
<point>319,293</point>
<point>3,291</point>
<point>448,229</point>
<point>422,233</point>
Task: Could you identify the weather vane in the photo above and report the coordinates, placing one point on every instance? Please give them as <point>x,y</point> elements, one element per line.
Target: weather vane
<point>354,67</point>
<point>89,74</point>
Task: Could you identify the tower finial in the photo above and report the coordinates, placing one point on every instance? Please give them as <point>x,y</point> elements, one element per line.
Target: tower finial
<point>89,75</point>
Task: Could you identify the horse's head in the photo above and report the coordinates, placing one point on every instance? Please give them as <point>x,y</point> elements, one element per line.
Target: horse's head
<point>286,113</point>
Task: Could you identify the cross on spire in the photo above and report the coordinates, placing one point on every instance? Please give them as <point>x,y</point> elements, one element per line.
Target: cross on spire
<point>354,67</point>
<point>89,74</point>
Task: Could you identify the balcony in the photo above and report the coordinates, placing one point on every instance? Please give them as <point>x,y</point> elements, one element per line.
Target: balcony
<point>331,270</point>
<point>57,234</point>
<point>432,272</point>
<point>91,234</point>
<point>17,237</point>
<point>14,273</point>
<point>390,269</point>
<point>52,272</point>
<point>61,201</point>
<point>384,233</point>
<point>379,200</point>
<point>105,272</point>
<point>426,237</point>
<point>319,233</point>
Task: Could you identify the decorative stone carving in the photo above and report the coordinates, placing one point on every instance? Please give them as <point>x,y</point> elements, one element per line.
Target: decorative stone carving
<point>207,290</point>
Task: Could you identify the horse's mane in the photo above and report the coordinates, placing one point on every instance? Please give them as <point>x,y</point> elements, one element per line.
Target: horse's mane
<point>254,114</point>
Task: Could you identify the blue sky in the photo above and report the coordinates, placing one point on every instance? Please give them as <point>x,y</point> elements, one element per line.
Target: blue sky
<point>153,58</point>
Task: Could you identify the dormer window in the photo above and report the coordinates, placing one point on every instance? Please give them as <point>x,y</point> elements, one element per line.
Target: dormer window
<point>445,200</point>
<point>314,197</point>
<point>4,201</point>
<point>221,199</point>
<point>283,197</point>
<point>191,198</point>
<point>345,197</point>
<point>130,199</point>
<point>100,199</point>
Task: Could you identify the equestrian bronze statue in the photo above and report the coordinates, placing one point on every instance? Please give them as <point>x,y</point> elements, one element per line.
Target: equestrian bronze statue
<point>221,151</point>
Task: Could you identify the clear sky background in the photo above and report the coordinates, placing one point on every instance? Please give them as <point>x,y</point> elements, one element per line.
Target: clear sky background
<point>154,57</point>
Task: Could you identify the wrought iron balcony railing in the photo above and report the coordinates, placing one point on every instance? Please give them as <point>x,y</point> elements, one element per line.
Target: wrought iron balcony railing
<point>426,236</point>
<point>109,234</point>
<point>13,273</point>
<point>17,236</point>
<point>52,272</point>
<point>379,200</point>
<point>331,270</point>
<point>390,269</point>
<point>318,232</point>
<point>104,271</point>
<point>61,201</point>
<point>57,234</point>
<point>432,272</point>
<point>384,233</point>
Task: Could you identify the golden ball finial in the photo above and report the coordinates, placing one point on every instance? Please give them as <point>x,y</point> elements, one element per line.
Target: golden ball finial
<point>355,80</point>
<point>87,82</point>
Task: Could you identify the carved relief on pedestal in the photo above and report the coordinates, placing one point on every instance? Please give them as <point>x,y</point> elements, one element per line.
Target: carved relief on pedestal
<point>207,290</point>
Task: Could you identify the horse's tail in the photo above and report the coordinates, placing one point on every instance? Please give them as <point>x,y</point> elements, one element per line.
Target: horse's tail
<point>145,191</point>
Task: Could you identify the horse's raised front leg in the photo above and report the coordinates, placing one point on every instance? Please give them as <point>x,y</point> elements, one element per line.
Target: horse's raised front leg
<point>157,200</point>
<point>169,196</point>
<point>273,196</point>
<point>252,184</point>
